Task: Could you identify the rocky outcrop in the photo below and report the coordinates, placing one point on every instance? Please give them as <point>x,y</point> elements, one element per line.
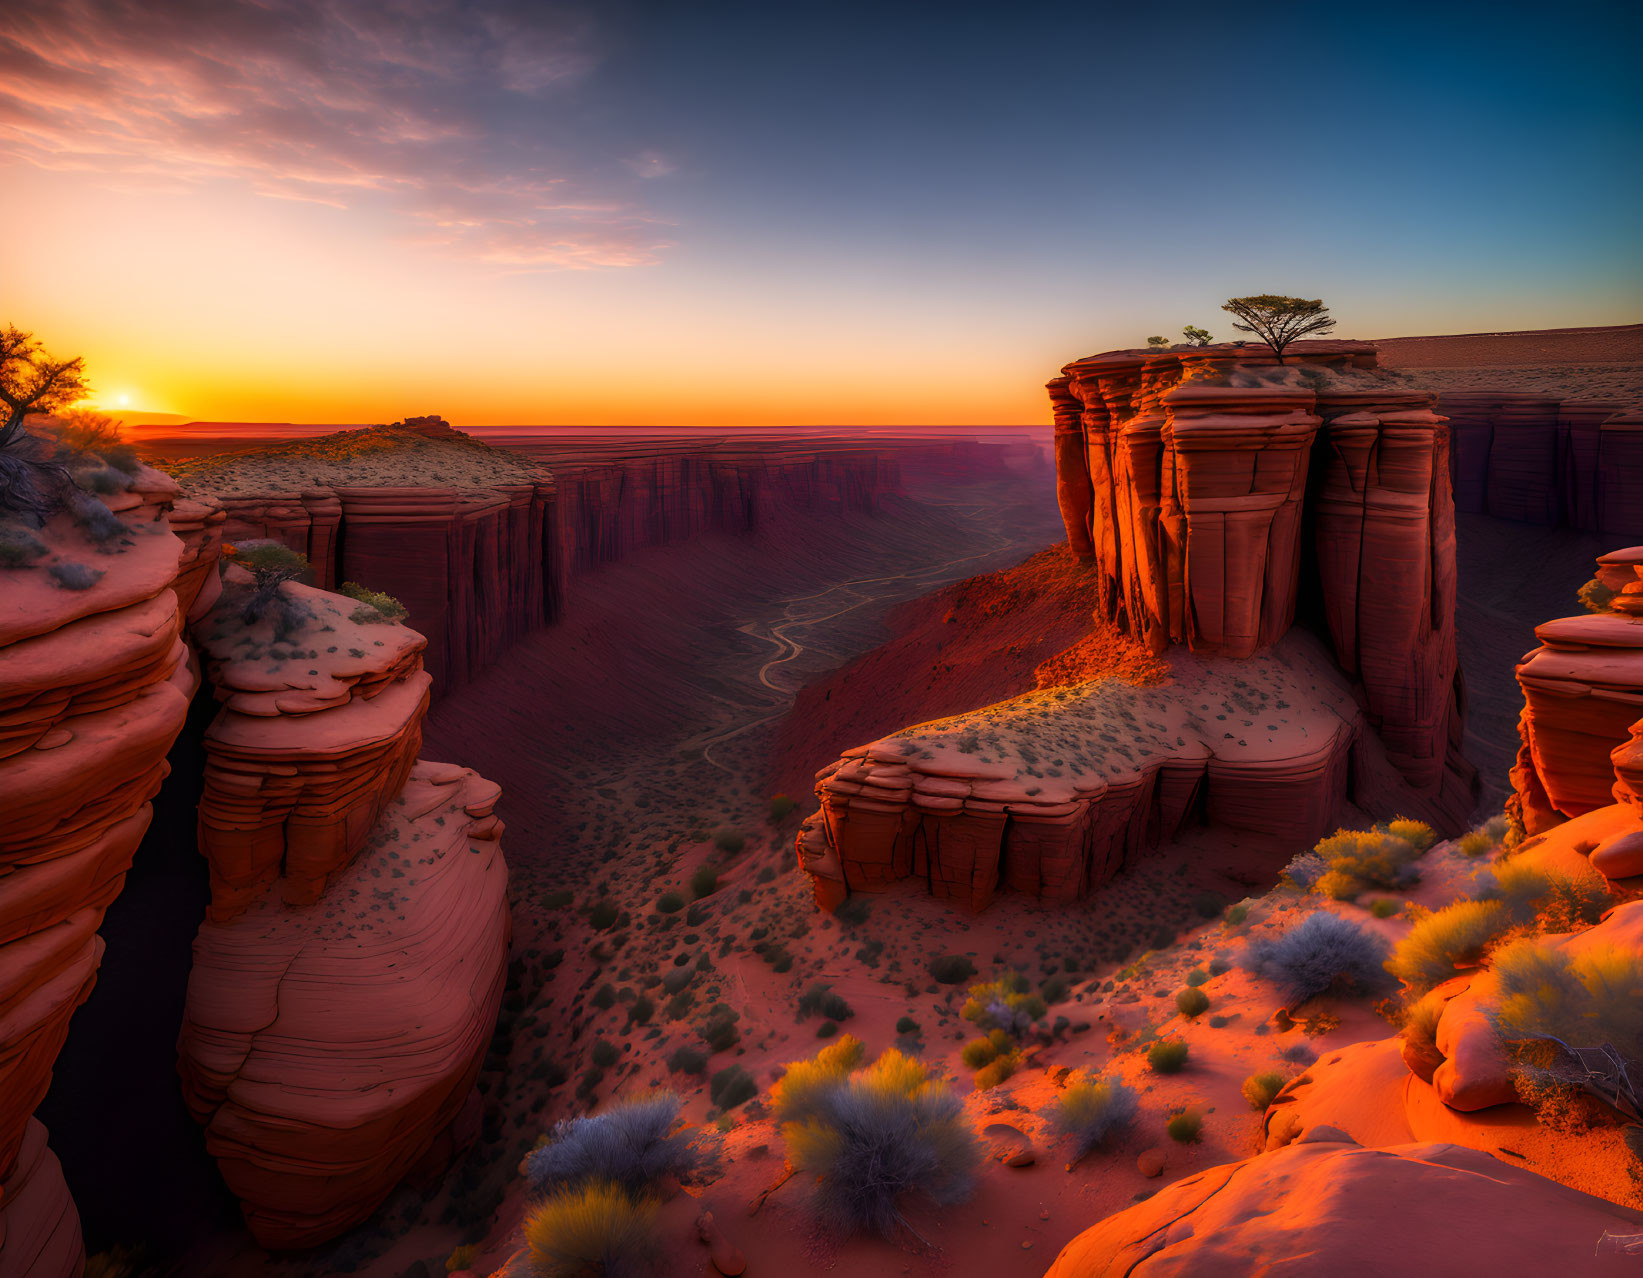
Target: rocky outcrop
<point>1212,490</point>
<point>94,688</point>
<point>1206,469</point>
<point>1054,792</point>
<point>1384,543</point>
<point>1582,693</point>
<point>328,1046</point>
<point>472,566</point>
<point>347,978</point>
<point>1327,1205</point>
<point>309,747</point>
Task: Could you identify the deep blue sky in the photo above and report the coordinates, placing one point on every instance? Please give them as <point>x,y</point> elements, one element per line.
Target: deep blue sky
<point>841,212</point>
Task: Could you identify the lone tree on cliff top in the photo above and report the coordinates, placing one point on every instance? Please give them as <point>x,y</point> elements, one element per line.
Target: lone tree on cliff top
<point>32,382</point>
<point>1278,321</point>
<point>33,482</point>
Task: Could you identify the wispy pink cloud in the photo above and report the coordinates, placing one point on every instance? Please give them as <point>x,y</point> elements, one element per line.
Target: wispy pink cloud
<point>457,119</point>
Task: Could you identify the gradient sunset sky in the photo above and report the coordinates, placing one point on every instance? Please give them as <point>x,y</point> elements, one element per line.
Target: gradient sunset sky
<point>767,213</point>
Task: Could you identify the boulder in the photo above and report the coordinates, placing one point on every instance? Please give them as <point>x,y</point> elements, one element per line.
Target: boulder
<point>1328,1206</point>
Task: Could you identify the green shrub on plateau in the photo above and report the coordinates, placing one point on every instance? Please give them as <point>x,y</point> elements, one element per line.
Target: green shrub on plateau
<point>375,606</point>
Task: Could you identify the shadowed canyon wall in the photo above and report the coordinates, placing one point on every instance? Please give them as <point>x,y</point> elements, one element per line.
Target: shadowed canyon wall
<point>95,681</point>
<point>477,568</point>
<point>1574,463</point>
<point>1212,493</point>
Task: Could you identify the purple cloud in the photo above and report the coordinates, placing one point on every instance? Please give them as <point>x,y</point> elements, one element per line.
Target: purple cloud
<point>461,122</point>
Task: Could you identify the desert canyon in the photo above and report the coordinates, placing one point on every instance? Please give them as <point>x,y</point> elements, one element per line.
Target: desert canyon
<point>577,768</point>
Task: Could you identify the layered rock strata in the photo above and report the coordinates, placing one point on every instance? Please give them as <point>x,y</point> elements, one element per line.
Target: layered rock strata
<point>1542,460</point>
<point>1213,475</point>
<point>1582,693</point>
<point>1054,792</point>
<point>480,562</point>
<point>327,1046</point>
<point>348,975</point>
<point>94,688</point>
<point>309,747</point>
<point>1211,490</point>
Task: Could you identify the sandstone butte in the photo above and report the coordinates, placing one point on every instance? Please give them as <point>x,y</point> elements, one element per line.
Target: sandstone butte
<point>1212,491</point>
<point>348,976</point>
<point>94,688</point>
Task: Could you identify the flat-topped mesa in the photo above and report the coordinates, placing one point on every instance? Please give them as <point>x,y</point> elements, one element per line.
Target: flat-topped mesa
<point>1214,492</point>
<point>458,531</point>
<point>1053,792</point>
<point>1582,695</point>
<point>1214,487</point>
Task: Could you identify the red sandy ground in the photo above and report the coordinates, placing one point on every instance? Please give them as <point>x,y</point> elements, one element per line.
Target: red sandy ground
<point>969,644</point>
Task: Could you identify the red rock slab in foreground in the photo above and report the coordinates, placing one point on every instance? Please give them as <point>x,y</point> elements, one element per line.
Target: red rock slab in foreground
<point>1583,690</point>
<point>325,1047</point>
<point>1328,1206</point>
<point>1053,792</point>
<point>317,732</point>
<point>39,1228</point>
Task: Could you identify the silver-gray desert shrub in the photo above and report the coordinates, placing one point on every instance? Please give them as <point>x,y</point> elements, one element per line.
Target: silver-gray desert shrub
<point>1090,1108</point>
<point>631,1144</point>
<point>1322,952</point>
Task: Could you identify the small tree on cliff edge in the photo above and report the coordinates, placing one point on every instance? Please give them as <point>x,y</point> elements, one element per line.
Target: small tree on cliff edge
<point>32,483</point>
<point>32,382</point>
<point>1278,321</point>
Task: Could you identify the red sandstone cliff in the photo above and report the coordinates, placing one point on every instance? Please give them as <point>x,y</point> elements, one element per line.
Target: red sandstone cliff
<point>1216,494</point>
<point>94,688</point>
<point>347,979</point>
<point>482,543</point>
